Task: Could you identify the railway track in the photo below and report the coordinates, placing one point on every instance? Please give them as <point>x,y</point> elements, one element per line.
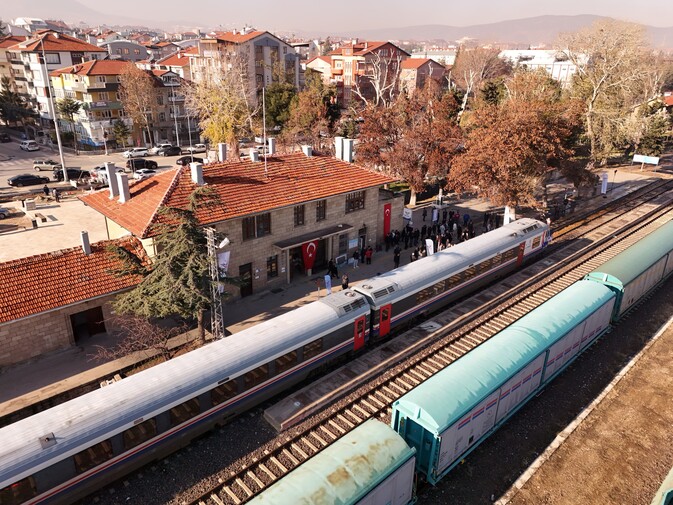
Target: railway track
<point>374,399</point>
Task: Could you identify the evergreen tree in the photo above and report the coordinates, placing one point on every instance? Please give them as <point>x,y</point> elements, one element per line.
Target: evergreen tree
<point>279,96</point>
<point>13,108</point>
<point>121,132</point>
<point>68,109</point>
<point>179,282</point>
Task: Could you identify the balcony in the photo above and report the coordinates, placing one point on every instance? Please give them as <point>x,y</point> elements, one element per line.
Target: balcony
<point>176,98</point>
<point>99,105</point>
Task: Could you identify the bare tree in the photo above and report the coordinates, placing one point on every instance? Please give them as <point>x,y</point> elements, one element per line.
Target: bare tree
<point>614,74</point>
<point>379,83</point>
<point>138,97</point>
<point>474,66</point>
<point>224,101</point>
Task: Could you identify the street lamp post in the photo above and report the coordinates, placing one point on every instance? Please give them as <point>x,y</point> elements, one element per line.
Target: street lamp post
<point>50,95</point>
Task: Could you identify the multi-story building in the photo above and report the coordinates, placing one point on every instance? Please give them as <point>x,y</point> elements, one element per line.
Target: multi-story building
<point>260,54</point>
<point>366,71</point>
<point>6,57</point>
<point>126,50</point>
<point>95,83</point>
<point>171,123</point>
<point>44,52</point>
<point>322,64</point>
<point>416,71</point>
<point>555,63</point>
<point>178,62</point>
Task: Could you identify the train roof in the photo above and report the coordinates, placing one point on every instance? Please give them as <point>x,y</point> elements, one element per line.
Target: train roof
<point>345,471</point>
<point>444,398</point>
<point>630,263</point>
<point>95,415</point>
<point>418,273</point>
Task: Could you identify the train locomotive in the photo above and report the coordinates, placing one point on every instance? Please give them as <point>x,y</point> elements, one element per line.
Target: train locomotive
<point>73,449</point>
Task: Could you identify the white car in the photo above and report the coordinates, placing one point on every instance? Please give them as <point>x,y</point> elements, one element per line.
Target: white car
<point>196,148</point>
<point>155,150</point>
<point>143,173</point>
<point>136,152</point>
<point>29,145</point>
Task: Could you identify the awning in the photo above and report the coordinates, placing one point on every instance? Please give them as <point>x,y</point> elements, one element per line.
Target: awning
<point>290,243</point>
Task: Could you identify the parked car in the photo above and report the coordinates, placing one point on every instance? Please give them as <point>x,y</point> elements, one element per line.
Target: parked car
<point>170,151</point>
<point>137,164</point>
<point>4,213</point>
<point>136,152</point>
<point>26,180</point>
<point>4,137</point>
<point>155,150</point>
<point>143,173</point>
<point>196,148</point>
<point>186,160</point>
<point>98,174</point>
<point>29,145</point>
<point>39,165</point>
<point>74,174</point>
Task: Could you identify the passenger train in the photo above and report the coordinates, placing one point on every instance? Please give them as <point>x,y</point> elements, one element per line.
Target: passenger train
<point>446,417</point>
<point>72,449</point>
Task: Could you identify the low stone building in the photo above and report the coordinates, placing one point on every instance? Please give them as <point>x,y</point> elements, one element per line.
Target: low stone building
<point>285,217</point>
<point>55,300</point>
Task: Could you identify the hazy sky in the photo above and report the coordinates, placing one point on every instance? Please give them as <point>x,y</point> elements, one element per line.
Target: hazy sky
<point>305,16</point>
<point>358,14</point>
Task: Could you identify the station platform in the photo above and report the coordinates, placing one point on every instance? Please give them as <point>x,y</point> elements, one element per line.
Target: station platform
<point>41,379</point>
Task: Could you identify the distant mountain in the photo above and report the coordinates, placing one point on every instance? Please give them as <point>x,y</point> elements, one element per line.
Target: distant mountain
<point>528,31</point>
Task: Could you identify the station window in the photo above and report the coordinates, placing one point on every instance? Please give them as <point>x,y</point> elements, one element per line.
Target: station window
<point>256,376</point>
<point>299,215</point>
<point>286,361</point>
<point>355,201</point>
<point>19,492</point>
<point>184,411</point>
<point>257,226</point>
<point>139,434</point>
<point>272,267</point>
<point>224,392</point>
<point>93,456</point>
<point>321,210</point>
<point>312,349</point>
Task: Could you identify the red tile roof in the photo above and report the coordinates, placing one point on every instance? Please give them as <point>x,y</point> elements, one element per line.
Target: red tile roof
<point>236,38</point>
<point>48,281</point>
<point>11,40</point>
<point>54,41</point>
<point>326,59</point>
<point>365,47</point>
<point>668,100</point>
<point>178,59</point>
<point>414,63</point>
<point>94,67</point>
<point>240,185</point>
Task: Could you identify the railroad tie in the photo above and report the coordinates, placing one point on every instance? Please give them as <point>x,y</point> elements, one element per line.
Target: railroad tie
<point>243,486</point>
<point>231,495</point>
<point>275,461</point>
<point>254,478</point>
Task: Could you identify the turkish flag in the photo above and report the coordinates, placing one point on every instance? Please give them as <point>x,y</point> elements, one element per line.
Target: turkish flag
<point>309,250</point>
<point>387,210</point>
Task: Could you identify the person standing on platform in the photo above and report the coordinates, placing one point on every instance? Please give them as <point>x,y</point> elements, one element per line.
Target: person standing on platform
<point>344,281</point>
<point>396,256</point>
<point>368,255</point>
<point>425,214</point>
<point>356,257</point>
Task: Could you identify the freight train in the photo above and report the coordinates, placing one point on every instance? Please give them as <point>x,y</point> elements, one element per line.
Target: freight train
<point>72,449</point>
<point>438,423</point>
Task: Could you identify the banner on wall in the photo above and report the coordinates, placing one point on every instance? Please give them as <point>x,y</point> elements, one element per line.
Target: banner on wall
<point>387,211</point>
<point>309,251</point>
<point>223,262</point>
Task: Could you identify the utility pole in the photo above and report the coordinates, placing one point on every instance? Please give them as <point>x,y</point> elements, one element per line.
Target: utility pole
<point>216,316</point>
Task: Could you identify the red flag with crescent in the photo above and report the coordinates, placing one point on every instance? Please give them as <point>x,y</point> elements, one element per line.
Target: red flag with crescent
<point>309,250</point>
<point>387,210</point>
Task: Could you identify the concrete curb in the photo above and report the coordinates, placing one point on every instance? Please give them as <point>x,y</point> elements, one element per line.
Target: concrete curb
<point>565,434</point>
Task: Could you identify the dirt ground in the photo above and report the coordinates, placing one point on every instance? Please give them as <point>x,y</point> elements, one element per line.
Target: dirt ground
<point>622,451</point>
<point>620,454</point>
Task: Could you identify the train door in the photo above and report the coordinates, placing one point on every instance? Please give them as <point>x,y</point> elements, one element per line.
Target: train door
<point>384,320</point>
<point>522,248</point>
<point>359,337</point>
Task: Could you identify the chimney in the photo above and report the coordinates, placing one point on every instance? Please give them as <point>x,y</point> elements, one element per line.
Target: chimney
<point>307,150</point>
<point>222,151</point>
<point>271,150</point>
<point>197,173</point>
<point>123,183</point>
<point>86,246</point>
<point>348,151</point>
<point>110,171</point>
<point>339,147</point>
<point>254,155</point>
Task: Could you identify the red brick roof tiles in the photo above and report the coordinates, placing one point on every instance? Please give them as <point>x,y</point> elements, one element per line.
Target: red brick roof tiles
<point>54,41</point>
<point>241,186</point>
<point>178,59</point>
<point>414,63</point>
<point>11,40</point>
<point>94,67</point>
<point>48,281</point>
<point>236,38</point>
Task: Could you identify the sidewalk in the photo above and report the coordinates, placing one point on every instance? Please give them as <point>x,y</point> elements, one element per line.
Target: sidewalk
<point>45,377</point>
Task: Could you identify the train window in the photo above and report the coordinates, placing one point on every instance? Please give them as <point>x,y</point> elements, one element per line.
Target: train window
<point>536,242</point>
<point>312,349</point>
<point>139,434</point>
<point>93,456</point>
<point>510,254</point>
<point>256,376</point>
<point>184,411</point>
<point>452,281</point>
<point>18,492</point>
<point>496,260</point>
<point>286,361</point>
<point>470,273</point>
<point>223,392</point>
